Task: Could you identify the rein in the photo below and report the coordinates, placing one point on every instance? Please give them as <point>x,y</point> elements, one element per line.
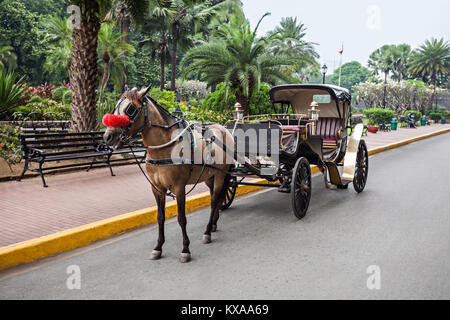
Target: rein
<point>133,113</point>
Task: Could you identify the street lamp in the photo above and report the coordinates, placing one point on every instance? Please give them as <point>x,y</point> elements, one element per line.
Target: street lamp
<point>238,113</point>
<point>177,113</point>
<point>313,116</point>
<point>324,71</point>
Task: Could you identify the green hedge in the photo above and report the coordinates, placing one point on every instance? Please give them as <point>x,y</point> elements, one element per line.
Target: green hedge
<point>58,93</point>
<point>377,115</point>
<point>436,116</point>
<point>220,101</point>
<point>417,114</point>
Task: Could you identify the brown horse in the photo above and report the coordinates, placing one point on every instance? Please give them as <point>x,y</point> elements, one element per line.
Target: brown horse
<point>159,133</point>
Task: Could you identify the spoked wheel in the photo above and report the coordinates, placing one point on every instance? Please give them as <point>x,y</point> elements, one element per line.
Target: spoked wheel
<point>361,167</point>
<point>231,193</point>
<point>301,187</point>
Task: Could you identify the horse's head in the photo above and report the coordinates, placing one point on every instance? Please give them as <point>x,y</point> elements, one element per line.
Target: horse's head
<point>127,118</point>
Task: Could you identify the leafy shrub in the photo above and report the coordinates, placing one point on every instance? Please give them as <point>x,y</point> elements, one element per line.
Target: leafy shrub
<point>11,92</point>
<point>198,114</point>
<point>436,116</point>
<point>260,101</point>
<point>192,89</point>
<point>45,109</point>
<point>67,97</point>
<point>10,149</point>
<point>219,100</point>
<point>165,98</point>
<point>44,91</point>
<point>35,99</point>
<point>447,113</point>
<point>377,115</point>
<point>417,114</point>
<point>58,93</point>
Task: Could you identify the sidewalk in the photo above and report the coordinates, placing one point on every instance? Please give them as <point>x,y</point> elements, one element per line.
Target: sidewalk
<point>27,210</point>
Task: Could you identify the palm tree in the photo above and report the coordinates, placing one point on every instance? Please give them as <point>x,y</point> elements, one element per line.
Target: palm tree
<point>431,60</point>
<point>114,56</point>
<point>59,34</point>
<point>189,17</point>
<point>288,39</point>
<point>120,15</point>
<point>382,60</point>
<point>8,59</point>
<point>236,56</point>
<point>400,60</point>
<point>83,69</point>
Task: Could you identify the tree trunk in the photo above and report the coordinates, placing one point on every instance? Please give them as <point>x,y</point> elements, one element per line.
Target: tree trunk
<point>125,29</point>
<point>104,82</point>
<point>163,63</point>
<point>83,70</point>
<point>175,35</point>
<point>245,103</point>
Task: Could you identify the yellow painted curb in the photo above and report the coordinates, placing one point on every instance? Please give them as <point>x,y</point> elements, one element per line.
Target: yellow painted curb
<point>34,249</point>
<point>406,141</point>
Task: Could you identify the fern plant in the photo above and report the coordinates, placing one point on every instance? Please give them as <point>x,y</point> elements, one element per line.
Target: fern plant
<point>11,92</point>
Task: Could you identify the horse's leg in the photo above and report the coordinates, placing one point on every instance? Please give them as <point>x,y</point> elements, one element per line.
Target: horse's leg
<point>217,197</point>
<point>224,182</point>
<point>161,202</point>
<point>181,203</point>
<point>209,228</point>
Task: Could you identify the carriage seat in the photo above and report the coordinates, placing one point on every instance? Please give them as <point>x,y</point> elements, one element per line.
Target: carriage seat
<point>295,128</point>
<point>328,129</point>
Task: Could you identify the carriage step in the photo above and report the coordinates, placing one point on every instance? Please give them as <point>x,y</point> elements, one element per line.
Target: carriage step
<point>335,177</point>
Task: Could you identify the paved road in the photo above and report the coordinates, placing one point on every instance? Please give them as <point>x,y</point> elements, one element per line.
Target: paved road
<point>400,223</point>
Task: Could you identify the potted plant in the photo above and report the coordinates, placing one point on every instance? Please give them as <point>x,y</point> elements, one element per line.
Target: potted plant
<point>376,116</point>
<point>372,129</point>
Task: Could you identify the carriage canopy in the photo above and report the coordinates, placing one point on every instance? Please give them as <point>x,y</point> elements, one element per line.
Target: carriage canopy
<point>334,101</point>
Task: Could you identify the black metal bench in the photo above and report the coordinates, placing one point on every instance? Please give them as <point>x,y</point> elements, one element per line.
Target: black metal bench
<point>61,146</point>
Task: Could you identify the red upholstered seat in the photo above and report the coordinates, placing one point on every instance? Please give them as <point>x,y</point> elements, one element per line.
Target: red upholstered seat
<point>328,129</point>
<point>294,128</point>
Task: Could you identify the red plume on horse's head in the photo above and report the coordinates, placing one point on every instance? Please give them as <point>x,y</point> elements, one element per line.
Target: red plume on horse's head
<point>114,120</point>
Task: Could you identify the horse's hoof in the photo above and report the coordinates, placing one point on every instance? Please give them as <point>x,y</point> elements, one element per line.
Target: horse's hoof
<point>185,257</point>
<point>155,255</point>
<point>206,238</point>
<point>214,228</point>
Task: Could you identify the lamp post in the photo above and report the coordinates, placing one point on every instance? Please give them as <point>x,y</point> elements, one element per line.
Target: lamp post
<point>313,116</point>
<point>324,71</point>
<point>238,113</point>
<point>177,112</point>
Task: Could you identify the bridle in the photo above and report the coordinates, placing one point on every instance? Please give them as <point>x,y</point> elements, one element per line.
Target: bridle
<point>133,113</point>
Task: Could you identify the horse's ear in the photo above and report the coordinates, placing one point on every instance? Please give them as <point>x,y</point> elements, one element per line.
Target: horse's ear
<point>143,92</point>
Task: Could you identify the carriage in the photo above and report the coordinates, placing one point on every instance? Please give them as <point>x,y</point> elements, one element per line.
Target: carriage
<point>310,126</point>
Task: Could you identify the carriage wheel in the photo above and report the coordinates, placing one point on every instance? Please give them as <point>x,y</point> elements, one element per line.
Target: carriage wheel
<point>301,187</point>
<point>361,167</point>
<point>231,193</point>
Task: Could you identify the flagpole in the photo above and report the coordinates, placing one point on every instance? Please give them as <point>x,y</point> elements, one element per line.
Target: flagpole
<point>340,64</point>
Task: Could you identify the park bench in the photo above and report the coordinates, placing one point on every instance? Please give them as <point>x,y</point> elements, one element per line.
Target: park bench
<point>43,147</point>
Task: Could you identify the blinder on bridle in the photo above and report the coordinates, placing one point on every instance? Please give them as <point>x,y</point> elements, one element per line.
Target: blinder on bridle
<point>133,113</point>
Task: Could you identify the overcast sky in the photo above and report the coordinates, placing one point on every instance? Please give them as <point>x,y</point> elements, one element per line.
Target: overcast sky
<point>362,25</point>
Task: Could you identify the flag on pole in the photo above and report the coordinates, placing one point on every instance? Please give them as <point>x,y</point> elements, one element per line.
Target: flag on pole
<point>340,63</point>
